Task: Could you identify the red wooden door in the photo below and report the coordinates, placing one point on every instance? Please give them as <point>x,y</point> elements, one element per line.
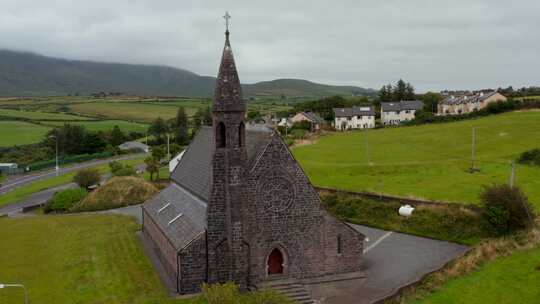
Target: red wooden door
<point>275,262</point>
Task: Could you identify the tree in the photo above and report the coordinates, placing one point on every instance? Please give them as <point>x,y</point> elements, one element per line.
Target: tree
<point>506,208</point>
<point>197,121</point>
<point>431,101</point>
<point>158,153</point>
<point>400,90</point>
<point>181,120</point>
<point>152,166</point>
<point>87,177</point>
<point>253,115</point>
<point>207,117</point>
<point>181,136</point>
<point>117,136</point>
<point>159,129</point>
<point>409,92</point>
<point>385,93</point>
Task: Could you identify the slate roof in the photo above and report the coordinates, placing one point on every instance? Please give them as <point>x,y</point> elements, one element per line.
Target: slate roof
<point>453,100</point>
<point>195,169</point>
<point>313,117</point>
<point>179,214</point>
<point>402,105</point>
<point>354,111</point>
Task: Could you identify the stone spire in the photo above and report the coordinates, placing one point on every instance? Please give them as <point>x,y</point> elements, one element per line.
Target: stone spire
<point>228,93</point>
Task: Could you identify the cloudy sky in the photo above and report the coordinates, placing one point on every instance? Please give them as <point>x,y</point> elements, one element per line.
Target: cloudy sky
<point>459,44</point>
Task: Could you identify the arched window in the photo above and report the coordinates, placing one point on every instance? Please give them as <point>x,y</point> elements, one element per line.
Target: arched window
<point>221,135</point>
<point>339,244</point>
<point>241,132</point>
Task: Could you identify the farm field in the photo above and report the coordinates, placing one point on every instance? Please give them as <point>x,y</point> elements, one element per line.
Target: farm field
<point>20,133</point>
<point>132,111</point>
<point>35,115</point>
<point>104,125</point>
<point>428,161</point>
<point>509,279</point>
<point>77,259</point>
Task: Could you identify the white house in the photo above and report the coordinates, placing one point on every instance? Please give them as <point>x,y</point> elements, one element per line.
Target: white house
<point>455,105</point>
<point>354,118</point>
<point>393,113</point>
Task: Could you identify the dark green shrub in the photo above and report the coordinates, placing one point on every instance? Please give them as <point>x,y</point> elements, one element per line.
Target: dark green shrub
<point>531,157</point>
<point>119,169</point>
<point>298,133</point>
<point>62,201</point>
<point>506,208</point>
<point>302,125</point>
<point>87,177</point>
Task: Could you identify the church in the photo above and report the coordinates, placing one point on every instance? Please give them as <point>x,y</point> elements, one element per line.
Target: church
<point>240,209</point>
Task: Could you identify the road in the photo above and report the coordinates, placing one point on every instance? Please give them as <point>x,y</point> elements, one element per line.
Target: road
<point>14,182</point>
<point>41,197</point>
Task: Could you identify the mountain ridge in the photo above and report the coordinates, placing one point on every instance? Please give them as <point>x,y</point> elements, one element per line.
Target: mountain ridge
<point>30,74</point>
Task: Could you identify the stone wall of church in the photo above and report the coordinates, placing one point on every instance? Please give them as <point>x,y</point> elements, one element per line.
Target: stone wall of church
<point>193,266</point>
<point>165,251</point>
<point>284,211</point>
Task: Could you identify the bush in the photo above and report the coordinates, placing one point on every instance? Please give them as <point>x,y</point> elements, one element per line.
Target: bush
<point>117,192</point>
<point>87,177</point>
<point>119,169</point>
<point>531,157</point>
<point>298,133</point>
<point>302,125</point>
<point>506,208</point>
<point>63,201</point>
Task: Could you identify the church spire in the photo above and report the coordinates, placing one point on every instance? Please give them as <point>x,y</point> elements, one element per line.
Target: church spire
<point>228,92</point>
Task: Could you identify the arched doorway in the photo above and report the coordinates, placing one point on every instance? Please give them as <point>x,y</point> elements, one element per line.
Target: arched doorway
<point>275,262</point>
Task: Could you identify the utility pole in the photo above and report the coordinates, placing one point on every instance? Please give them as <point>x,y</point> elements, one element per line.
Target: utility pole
<point>367,147</point>
<point>168,149</point>
<point>512,174</point>
<point>473,152</point>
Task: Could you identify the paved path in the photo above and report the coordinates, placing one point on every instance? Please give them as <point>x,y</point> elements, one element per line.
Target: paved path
<point>14,182</point>
<point>394,260</point>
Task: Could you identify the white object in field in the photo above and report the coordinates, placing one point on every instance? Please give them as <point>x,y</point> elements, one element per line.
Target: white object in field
<point>406,210</point>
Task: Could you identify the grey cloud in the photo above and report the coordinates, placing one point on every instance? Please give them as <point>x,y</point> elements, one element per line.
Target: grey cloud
<point>433,44</point>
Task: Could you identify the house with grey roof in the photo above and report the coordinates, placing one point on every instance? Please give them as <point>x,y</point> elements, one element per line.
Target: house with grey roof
<point>393,113</point>
<point>241,209</point>
<point>315,120</point>
<point>134,146</point>
<point>467,103</point>
<point>354,118</point>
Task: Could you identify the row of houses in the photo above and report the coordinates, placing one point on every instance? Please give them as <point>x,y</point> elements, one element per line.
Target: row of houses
<point>392,113</point>
<point>395,113</point>
<point>467,103</point>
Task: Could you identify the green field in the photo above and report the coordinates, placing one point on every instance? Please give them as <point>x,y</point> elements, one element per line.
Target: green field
<point>133,111</point>
<point>428,161</point>
<point>77,259</point>
<point>20,133</point>
<point>36,115</point>
<point>105,125</point>
<point>512,279</point>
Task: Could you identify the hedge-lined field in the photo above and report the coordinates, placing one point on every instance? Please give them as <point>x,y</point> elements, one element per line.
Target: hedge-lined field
<point>104,125</point>
<point>37,115</point>
<point>20,133</point>
<point>428,161</point>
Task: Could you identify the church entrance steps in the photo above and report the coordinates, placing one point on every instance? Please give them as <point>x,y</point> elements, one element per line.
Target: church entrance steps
<point>289,287</point>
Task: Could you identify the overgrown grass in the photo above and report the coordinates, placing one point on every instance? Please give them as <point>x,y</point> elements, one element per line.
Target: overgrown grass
<point>44,184</point>
<point>451,223</point>
<point>504,270</point>
<point>428,161</point>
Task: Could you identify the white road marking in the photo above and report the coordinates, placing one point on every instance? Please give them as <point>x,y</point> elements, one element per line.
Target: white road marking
<point>378,241</point>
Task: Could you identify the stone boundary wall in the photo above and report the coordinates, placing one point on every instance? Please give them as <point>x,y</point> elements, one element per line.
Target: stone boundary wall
<point>387,198</point>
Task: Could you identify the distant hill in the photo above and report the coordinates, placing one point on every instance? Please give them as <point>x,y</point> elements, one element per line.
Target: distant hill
<point>28,74</point>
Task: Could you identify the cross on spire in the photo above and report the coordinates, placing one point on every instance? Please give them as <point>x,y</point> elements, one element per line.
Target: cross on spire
<point>227,17</point>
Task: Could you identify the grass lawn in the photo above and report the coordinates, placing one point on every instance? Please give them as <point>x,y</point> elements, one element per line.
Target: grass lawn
<point>105,125</point>
<point>24,192</point>
<point>512,279</point>
<point>20,133</point>
<point>428,161</point>
<point>77,259</point>
<point>40,115</point>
